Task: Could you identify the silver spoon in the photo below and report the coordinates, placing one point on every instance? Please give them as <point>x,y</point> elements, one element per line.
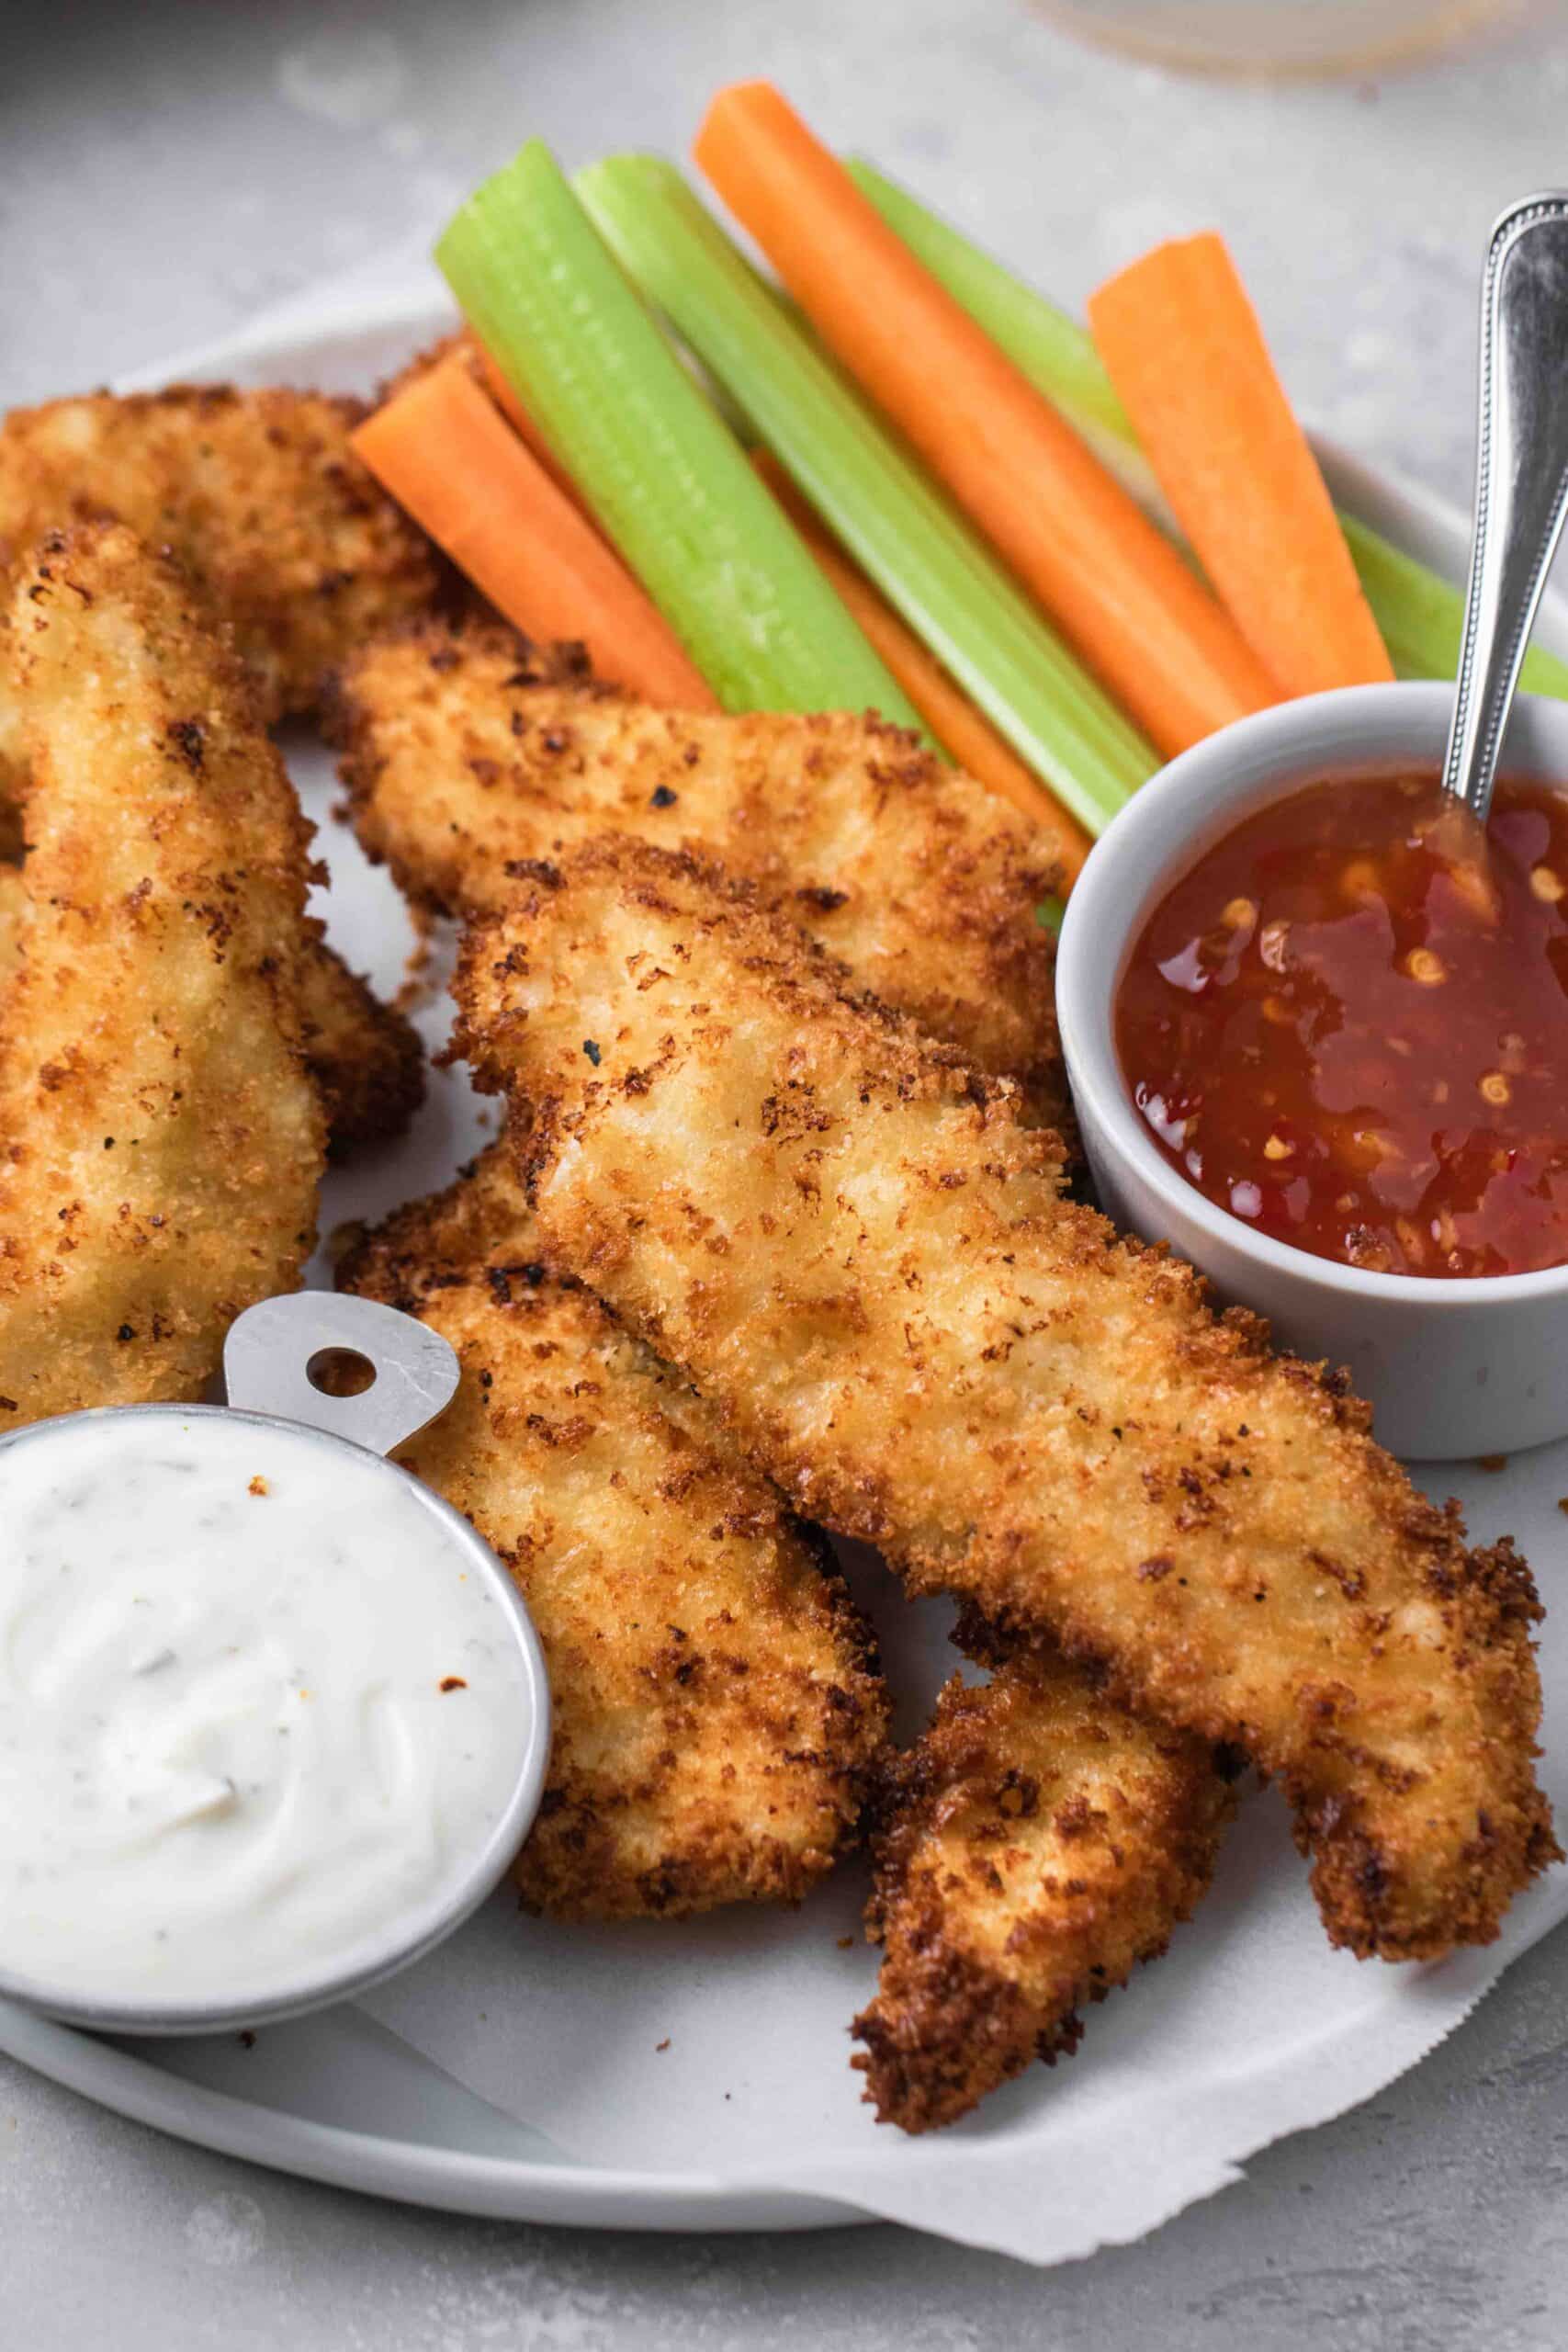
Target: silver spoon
<point>1521,479</point>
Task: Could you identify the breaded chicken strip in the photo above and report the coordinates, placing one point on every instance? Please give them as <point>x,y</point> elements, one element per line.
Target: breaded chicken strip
<point>297,548</point>
<point>366,1056</point>
<point>162,1136</point>
<point>862,1256</point>
<point>258,494</point>
<point>716,1699</point>
<point>1035,1843</point>
<point>463,767</point>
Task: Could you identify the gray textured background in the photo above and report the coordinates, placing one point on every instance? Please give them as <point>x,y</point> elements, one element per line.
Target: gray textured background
<point>166,169</point>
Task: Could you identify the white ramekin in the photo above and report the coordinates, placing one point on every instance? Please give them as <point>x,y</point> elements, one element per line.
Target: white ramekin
<point>1451,1368</point>
<point>489,1850</point>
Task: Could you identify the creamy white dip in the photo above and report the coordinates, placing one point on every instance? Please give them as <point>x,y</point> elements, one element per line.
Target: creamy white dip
<point>258,1706</point>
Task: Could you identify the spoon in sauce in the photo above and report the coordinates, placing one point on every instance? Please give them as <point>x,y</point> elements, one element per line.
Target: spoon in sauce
<point>1312,985</point>
<point>1521,485</point>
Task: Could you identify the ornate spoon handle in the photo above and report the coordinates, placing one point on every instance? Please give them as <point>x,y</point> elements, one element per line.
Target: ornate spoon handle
<point>1521,479</point>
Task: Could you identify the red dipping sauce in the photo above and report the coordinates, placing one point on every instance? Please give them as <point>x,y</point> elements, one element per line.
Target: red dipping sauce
<point>1347,1024</point>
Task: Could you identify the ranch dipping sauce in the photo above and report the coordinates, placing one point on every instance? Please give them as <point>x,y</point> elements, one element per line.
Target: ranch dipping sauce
<point>258,1709</point>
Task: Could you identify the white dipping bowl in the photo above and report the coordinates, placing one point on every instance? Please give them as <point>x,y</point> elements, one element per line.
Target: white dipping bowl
<point>1451,1367</point>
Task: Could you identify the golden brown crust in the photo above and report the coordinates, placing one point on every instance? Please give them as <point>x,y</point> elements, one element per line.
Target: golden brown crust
<point>717,1701</point>
<point>161,1136</point>
<point>365,1055</point>
<point>259,494</point>
<point>465,766</point>
<point>1035,1844</point>
<point>862,1256</point>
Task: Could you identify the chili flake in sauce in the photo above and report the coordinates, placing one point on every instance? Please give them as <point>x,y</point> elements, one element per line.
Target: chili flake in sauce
<point>1347,1023</point>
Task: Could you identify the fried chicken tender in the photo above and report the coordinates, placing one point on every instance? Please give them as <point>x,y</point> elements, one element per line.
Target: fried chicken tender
<point>861,1255</point>
<point>162,1136</point>
<point>718,1704</point>
<point>464,764</point>
<point>365,1055</point>
<point>258,494</point>
<point>293,543</point>
<point>1034,1844</point>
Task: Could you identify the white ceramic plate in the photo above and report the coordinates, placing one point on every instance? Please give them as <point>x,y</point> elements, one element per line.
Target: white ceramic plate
<point>1176,2081</point>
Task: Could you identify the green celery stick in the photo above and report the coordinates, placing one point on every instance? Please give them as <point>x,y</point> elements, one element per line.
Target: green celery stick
<point>928,562</point>
<point>1420,614</point>
<point>1062,349</point>
<point>1045,344</point>
<point>1422,617</point>
<point>662,473</point>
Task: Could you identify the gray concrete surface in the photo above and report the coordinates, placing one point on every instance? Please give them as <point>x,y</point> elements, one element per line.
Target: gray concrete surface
<point>164,170</point>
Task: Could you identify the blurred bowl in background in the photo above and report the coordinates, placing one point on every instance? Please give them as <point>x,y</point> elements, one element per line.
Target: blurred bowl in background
<point>1280,36</point>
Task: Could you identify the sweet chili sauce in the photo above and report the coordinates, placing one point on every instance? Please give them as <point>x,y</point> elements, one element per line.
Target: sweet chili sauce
<point>1347,1024</point>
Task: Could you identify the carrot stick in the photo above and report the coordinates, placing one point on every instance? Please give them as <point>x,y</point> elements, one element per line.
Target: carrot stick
<point>1160,639</point>
<point>517,416</point>
<point>962,731</point>
<point>444,453</point>
<point>1187,355</point>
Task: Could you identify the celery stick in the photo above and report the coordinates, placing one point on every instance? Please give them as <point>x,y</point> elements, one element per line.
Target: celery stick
<point>929,563</point>
<point>1422,617</point>
<point>1045,344</point>
<point>1013,312</point>
<point>664,476</point>
<point>1420,614</point>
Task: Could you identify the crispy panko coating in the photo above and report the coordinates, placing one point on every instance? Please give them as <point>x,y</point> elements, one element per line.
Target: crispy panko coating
<point>718,1703</point>
<point>258,494</point>
<point>463,764</point>
<point>13,913</point>
<point>365,1055</point>
<point>161,1136</point>
<point>293,544</point>
<point>1034,1844</point>
<point>862,1256</point>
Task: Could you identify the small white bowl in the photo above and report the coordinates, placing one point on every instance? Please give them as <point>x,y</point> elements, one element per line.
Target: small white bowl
<point>1451,1368</point>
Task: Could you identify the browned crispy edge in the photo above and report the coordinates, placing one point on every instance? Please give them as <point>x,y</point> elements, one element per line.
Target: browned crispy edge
<point>944,2029</point>
<point>365,1055</point>
<point>351,731</point>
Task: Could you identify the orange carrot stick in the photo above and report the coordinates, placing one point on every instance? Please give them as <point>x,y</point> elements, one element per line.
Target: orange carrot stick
<point>947,711</point>
<point>1160,642</point>
<point>1187,354</point>
<point>517,416</point>
<point>444,451</point>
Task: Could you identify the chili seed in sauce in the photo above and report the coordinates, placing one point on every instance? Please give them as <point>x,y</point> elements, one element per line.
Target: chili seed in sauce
<point>1347,1023</point>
